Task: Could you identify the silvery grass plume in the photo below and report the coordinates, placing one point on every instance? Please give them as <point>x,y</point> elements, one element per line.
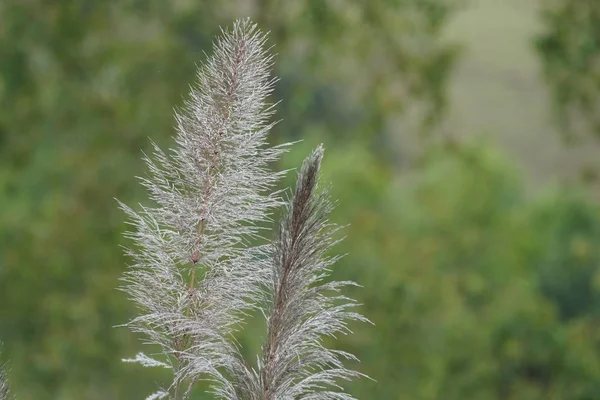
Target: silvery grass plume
<point>4,386</point>
<point>295,364</point>
<point>196,275</point>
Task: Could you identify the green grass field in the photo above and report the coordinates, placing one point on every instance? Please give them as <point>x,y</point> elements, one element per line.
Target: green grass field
<point>497,89</point>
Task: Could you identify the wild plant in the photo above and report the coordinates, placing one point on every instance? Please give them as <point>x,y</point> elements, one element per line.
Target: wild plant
<point>200,262</point>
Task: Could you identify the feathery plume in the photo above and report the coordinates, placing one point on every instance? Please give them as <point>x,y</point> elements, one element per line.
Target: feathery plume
<point>196,274</point>
<point>295,364</point>
<point>213,192</point>
<point>4,386</point>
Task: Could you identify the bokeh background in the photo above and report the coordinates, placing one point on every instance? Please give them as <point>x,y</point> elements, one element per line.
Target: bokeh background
<point>462,144</point>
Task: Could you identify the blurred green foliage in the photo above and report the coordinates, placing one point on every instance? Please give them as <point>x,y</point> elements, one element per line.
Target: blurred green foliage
<point>481,273</point>
<point>477,287</point>
<point>569,48</point>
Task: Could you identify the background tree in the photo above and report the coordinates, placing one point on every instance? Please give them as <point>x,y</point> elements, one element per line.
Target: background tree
<point>570,53</point>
